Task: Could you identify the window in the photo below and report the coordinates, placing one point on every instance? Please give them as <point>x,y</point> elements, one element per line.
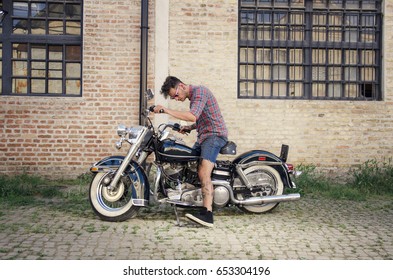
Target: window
<point>41,48</point>
<point>310,49</point>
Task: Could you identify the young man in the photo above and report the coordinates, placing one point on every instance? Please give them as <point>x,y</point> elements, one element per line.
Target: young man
<point>212,134</point>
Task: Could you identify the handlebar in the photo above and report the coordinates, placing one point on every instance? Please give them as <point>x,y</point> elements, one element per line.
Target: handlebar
<point>151,109</point>
<point>176,127</point>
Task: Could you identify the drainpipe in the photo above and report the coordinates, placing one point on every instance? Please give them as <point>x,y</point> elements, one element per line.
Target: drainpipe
<point>143,58</point>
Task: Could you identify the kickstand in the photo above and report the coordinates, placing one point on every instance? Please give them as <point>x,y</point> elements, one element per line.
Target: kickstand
<point>177,215</point>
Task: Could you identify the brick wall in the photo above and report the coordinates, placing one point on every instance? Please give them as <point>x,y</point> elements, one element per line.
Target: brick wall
<point>331,134</point>
<point>61,137</point>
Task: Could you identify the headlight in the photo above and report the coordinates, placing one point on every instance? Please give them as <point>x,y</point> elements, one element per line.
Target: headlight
<point>134,133</point>
<point>122,130</point>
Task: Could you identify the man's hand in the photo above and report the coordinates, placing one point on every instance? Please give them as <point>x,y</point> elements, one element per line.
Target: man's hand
<point>158,109</point>
<point>185,129</point>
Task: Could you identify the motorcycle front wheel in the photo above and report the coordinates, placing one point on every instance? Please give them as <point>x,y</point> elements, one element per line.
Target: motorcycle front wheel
<point>112,205</point>
<point>265,181</point>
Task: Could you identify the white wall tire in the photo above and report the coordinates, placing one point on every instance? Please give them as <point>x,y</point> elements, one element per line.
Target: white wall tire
<point>111,205</point>
<point>267,177</point>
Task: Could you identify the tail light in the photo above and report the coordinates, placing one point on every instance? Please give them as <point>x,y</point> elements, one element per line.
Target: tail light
<point>290,167</point>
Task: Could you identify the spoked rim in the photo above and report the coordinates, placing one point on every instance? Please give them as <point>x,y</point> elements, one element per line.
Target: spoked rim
<point>113,200</point>
<point>268,180</point>
<point>108,202</point>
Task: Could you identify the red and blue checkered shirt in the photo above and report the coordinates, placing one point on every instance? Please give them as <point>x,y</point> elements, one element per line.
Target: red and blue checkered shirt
<point>204,106</point>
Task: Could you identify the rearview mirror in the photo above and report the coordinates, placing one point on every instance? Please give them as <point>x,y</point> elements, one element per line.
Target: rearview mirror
<point>149,94</point>
<point>2,15</point>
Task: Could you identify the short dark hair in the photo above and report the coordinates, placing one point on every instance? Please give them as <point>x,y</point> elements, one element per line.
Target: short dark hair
<point>170,82</point>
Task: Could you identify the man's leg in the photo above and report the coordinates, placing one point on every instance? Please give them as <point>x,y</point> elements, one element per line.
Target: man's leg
<point>210,149</point>
<point>205,217</point>
<point>204,174</point>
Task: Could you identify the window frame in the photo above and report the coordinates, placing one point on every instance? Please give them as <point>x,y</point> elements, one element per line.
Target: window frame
<point>258,18</point>
<point>8,39</point>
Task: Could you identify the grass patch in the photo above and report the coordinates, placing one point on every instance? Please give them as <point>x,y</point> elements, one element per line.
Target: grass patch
<point>374,177</point>
<point>370,179</point>
<point>23,190</point>
<point>20,185</point>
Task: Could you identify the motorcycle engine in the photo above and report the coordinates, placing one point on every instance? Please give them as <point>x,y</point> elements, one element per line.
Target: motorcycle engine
<point>181,182</point>
<point>177,172</point>
<point>194,196</point>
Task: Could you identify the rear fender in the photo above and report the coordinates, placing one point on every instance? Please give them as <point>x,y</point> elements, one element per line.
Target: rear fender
<point>266,158</point>
<point>140,186</point>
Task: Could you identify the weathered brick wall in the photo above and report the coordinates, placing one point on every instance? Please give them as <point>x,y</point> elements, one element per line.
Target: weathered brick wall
<point>330,134</point>
<point>61,137</point>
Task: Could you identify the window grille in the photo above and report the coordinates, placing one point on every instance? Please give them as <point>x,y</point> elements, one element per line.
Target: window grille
<point>310,49</point>
<point>41,48</point>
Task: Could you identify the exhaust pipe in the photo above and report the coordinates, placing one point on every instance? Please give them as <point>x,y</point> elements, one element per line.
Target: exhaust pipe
<point>267,199</point>
<point>259,199</point>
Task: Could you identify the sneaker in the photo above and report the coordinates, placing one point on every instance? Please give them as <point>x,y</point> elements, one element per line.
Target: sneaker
<point>204,218</point>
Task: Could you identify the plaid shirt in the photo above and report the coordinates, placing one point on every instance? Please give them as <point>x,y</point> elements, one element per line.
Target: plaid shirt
<point>204,106</point>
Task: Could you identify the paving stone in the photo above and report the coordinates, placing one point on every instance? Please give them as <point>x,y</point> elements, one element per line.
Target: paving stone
<point>308,229</point>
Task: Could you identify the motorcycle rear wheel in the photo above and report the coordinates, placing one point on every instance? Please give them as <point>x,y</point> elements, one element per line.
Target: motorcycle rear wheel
<point>111,205</point>
<point>261,177</point>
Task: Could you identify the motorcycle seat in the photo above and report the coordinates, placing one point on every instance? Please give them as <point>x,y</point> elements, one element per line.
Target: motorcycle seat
<point>229,148</point>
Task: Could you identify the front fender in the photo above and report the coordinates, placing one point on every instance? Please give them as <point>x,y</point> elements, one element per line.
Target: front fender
<point>140,187</point>
<point>266,158</point>
<point>107,164</point>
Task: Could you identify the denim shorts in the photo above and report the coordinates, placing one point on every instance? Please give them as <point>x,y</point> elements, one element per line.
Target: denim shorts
<point>210,148</point>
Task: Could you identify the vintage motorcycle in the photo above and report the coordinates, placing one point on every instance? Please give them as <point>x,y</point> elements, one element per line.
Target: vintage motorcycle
<point>254,181</point>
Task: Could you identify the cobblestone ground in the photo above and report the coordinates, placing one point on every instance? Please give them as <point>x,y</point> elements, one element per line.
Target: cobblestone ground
<point>307,229</point>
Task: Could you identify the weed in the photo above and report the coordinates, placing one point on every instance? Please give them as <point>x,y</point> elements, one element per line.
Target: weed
<point>18,186</point>
<point>310,181</point>
<point>125,227</point>
<point>90,228</point>
<point>71,195</point>
<point>135,229</point>
<point>61,195</point>
<point>370,178</point>
<point>82,180</point>
<point>342,226</point>
<point>374,177</point>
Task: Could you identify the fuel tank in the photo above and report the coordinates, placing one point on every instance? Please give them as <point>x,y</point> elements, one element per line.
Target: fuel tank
<point>170,151</point>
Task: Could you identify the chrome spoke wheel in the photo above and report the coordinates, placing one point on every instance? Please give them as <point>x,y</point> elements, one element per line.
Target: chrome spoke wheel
<point>265,181</point>
<point>112,204</point>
